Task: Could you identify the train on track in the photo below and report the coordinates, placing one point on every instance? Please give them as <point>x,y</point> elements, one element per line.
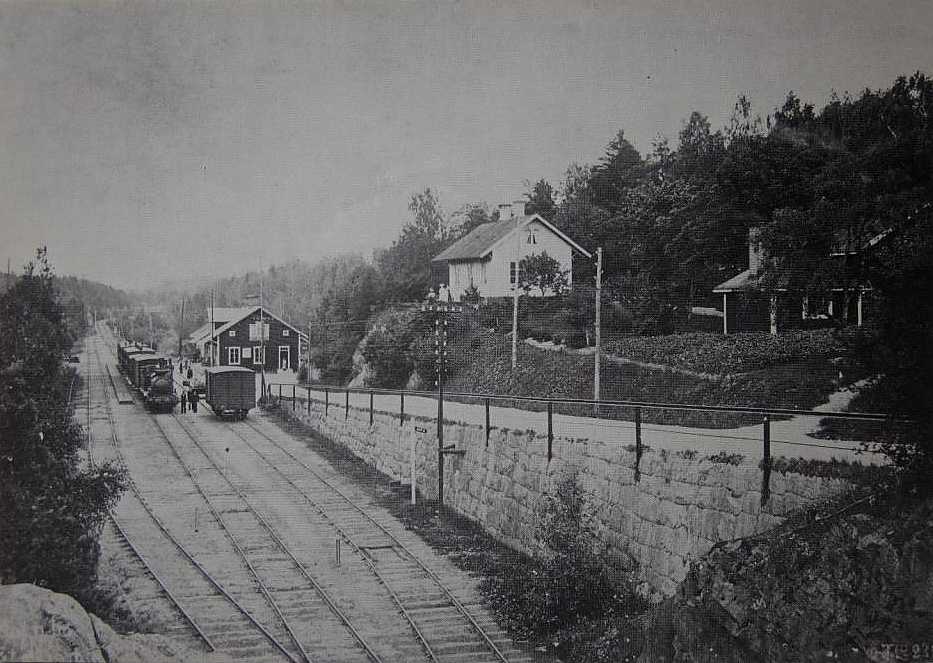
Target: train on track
<point>230,391</point>
<point>150,375</point>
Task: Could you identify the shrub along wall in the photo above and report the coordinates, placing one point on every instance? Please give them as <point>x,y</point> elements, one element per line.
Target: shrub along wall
<point>673,514</point>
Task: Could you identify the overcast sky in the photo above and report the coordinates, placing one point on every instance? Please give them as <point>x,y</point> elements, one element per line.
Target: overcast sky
<point>153,141</point>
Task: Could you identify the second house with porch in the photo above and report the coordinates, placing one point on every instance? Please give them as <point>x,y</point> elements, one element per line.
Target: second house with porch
<point>236,341</point>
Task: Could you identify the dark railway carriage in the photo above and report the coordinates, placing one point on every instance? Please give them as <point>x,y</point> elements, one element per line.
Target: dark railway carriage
<point>230,391</point>
<point>143,368</point>
<point>126,356</point>
<point>160,396</point>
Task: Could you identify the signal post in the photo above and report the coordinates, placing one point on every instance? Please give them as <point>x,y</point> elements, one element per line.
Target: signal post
<point>440,368</point>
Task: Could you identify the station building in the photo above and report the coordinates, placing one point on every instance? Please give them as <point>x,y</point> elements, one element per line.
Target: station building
<point>235,340</point>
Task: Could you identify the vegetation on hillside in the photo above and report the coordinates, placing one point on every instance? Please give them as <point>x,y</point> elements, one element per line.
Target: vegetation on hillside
<point>718,354</point>
<point>848,581</point>
<point>567,598</point>
<point>51,510</point>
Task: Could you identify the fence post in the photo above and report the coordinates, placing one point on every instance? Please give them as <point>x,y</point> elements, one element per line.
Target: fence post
<point>550,429</point>
<point>370,409</point>
<point>280,394</point>
<point>346,406</point>
<point>326,401</point>
<point>309,399</point>
<point>401,410</point>
<point>293,398</point>
<point>637,444</point>
<point>487,421</point>
<point>766,462</point>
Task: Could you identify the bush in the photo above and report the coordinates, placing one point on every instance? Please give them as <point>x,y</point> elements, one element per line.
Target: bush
<point>567,599</point>
<point>726,458</point>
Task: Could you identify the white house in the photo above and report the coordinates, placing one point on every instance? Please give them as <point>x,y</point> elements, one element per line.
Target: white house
<point>487,256</point>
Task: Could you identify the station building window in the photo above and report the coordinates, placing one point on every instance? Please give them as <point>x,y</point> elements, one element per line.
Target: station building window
<point>233,356</point>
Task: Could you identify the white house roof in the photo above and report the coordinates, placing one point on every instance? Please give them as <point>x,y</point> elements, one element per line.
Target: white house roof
<point>480,241</point>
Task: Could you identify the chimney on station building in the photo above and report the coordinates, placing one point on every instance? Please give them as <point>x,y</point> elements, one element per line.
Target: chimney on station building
<point>505,211</point>
<point>518,207</point>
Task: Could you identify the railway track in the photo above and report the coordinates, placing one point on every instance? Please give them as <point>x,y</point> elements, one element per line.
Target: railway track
<point>444,625</point>
<point>258,548</point>
<point>307,611</point>
<point>223,621</point>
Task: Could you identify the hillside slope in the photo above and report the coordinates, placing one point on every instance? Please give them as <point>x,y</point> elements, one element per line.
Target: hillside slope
<point>854,587</point>
<point>481,362</point>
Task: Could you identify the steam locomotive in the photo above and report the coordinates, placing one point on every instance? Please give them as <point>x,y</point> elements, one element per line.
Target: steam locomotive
<point>149,374</point>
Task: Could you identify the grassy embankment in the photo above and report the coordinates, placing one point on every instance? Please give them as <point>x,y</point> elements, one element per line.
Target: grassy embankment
<point>797,370</point>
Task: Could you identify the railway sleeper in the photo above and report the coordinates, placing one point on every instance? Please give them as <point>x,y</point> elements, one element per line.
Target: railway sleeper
<point>473,657</point>
<point>463,645</point>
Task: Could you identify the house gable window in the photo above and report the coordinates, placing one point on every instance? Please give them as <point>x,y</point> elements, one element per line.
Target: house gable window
<point>284,332</point>
<point>233,356</point>
<point>532,236</point>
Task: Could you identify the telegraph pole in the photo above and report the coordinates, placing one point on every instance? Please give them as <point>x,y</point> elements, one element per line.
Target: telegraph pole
<point>323,344</point>
<point>214,350</point>
<point>440,363</point>
<point>518,251</point>
<point>181,325</point>
<point>262,334</point>
<point>599,287</point>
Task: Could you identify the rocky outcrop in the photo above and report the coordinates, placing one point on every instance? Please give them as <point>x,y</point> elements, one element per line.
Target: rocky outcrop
<point>37,624</point>
<point>856,587</point>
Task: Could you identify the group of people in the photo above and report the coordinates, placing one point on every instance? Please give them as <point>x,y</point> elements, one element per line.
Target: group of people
<point>443,294</point>
<point>189,396</point>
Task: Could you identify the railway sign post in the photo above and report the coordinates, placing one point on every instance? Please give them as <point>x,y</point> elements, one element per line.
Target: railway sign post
<point>414,444</point>
<point>440,363</point>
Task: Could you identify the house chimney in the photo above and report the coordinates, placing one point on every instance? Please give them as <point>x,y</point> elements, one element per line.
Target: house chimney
<point>755,256</point>
<point>519,207</point>
<point>505,211</point>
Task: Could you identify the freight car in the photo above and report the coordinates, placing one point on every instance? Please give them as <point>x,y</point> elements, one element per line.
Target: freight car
<point>230,391</point>
<point>125,352</point>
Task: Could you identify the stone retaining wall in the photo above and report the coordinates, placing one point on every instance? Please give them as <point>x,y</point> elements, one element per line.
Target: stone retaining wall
<point>677,510</point>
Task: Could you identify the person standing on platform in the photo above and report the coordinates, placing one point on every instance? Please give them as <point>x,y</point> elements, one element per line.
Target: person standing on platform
<point>193,399</point>
<point>184,398</point>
